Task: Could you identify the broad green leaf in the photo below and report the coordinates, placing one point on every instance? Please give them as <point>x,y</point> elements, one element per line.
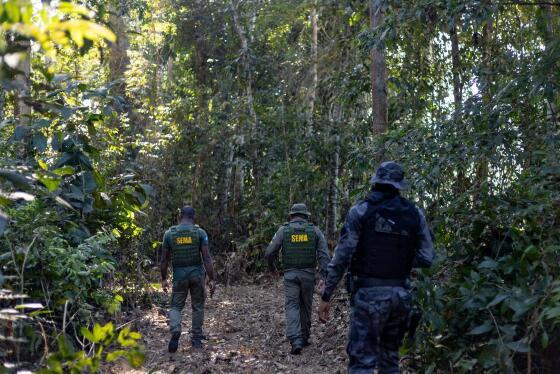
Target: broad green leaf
<point>544,339</point>
<point>16,179</point>
<point>65,170</point>
<point>42,164</point>
<point>50,182</point>
<point>64,203</point>
<point>481,329</point>
<point>112,356</point>
<point>19,132</point>
<point>39,142</point>
<point>488,264</point>
<point>498,299</point>
<point>518,346</point>
<point>88,335</point>
<point>531,253</point>
<point>63,160</point>
<point>135,359</point>
<point>552,313</point>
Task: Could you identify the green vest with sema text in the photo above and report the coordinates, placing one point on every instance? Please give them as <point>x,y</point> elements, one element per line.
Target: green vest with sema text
<point>185,246</point>
<point>299,248</point>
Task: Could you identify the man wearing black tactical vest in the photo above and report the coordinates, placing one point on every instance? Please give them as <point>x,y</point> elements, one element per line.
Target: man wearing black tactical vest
<point>383,238</point>
<point>303,245</point>
<point>186,247</point>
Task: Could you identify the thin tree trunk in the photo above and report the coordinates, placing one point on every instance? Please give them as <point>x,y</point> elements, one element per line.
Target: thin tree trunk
<point>482,168</point>
<point>227,180</point>
<point>286,151</point>
<point>549,37</point>
<point>118,51</point>
<point>333,192</point>
<point>170,68</point>
<point>21,108</point>
<point>239,183</point>
<point>247,67</point>
<point>456,68</point>
<point>378,72</point>
<point>2,103</point>
<point>314,56</point>
<point>461,182</point>
<point>335,118</point>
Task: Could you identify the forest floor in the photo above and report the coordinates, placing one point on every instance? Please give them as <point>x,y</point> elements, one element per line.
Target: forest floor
<point>245,330</point>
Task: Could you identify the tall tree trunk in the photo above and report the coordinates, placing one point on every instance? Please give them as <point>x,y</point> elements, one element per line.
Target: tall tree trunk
<point>314,57</point>
<point>21,108</point>
<point>482,168</point>
<point>286,150</point>
<point>118,51</point>
<point>549,37</point>
<point>333,192</point>
<point>227,179</point>
<point>335,118</point>
<point>2,103</point>
<point>239,182</point>
<point>247,67</point>
<point>378,71</point>
<point>456,68</point>
<point>461,182</point>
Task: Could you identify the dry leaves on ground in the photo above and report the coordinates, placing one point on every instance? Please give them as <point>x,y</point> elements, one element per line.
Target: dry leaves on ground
<point>245,331</point>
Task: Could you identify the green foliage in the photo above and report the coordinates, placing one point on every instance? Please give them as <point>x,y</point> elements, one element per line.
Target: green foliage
<point>66,199</point>
<point>478,137</point>
<point>216,104</point>
<point>108,346</point>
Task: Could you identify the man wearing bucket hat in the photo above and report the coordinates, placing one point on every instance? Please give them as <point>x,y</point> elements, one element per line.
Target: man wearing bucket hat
<point>303,246</point>
<point>383,238</point>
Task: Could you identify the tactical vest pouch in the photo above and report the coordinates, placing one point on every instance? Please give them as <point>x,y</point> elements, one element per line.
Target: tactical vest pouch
<point>299,247</point>
<point>185,247</point>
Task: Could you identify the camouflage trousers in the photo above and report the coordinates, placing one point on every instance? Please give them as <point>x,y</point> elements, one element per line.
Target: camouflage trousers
<point>377,325</point>
<point>298,286</point>
<point>179,295</point>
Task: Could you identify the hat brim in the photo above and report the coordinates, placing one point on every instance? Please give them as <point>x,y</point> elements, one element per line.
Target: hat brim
<point>402,185</point>
<point>304,213</point>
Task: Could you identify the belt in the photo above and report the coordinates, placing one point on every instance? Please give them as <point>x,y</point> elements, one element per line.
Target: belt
<point>379,282</point>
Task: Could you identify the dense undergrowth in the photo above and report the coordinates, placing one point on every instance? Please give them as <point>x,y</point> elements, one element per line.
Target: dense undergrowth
<point>243,108</point>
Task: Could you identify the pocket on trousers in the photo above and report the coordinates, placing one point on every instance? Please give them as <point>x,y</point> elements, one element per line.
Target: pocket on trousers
<point>404,305</point>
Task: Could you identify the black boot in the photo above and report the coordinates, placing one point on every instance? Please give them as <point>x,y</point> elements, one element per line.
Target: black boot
<point>296,349</point>
<point>196,343</point>
<point>174,342</point>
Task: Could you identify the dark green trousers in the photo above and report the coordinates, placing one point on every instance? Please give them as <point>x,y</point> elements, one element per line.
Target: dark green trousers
<point>298,286</point>
<point>179,295</point>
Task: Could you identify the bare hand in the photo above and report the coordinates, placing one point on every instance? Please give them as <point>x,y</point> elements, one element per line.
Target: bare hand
<point>321,286</point>
<point>212,287</point>
<point>165,285</point>
<point>324,309</point>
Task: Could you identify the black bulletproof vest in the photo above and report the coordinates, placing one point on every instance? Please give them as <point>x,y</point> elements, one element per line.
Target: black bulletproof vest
<point>388,240</point>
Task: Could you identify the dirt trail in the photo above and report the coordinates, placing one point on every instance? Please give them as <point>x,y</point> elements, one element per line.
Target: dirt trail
<point>244,326</point>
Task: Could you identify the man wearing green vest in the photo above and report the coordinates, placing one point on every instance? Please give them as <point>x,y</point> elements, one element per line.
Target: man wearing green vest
<point>186,246</point>
<point>303,245</point>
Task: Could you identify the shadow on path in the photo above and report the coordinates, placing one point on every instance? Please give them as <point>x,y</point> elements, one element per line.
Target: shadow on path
<point>244,327</point>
